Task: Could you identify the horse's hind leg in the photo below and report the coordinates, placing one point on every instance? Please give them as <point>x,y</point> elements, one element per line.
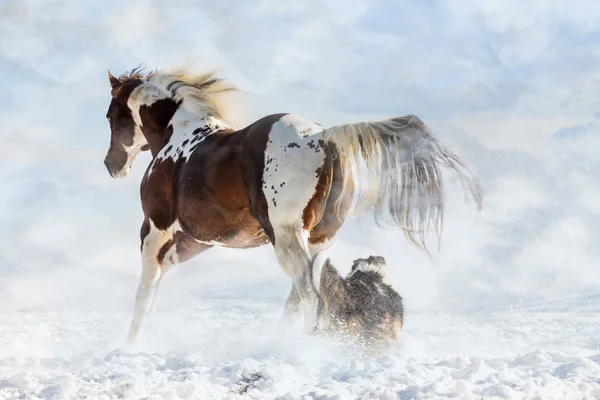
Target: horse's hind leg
<point>322,235</point>
<point>291,249</point>
<point>291,310</point>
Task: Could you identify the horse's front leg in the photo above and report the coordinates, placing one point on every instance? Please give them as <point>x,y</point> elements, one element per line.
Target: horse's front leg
<point>161,249</point>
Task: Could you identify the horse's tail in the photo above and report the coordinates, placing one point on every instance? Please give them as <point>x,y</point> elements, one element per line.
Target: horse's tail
<point>401,176</point>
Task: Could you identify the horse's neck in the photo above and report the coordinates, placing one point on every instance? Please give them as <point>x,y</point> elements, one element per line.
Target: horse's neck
<point>185,131</point>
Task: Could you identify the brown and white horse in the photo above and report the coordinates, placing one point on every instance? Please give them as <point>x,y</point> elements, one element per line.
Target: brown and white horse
<point>282,180</point>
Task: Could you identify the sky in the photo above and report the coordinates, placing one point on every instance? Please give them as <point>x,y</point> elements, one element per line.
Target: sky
<point>512,86</point>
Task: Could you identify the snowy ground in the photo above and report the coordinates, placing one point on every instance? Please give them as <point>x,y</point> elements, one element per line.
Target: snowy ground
<point>223,342</point>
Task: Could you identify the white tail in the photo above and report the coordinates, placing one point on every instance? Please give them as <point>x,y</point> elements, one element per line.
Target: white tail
<point>402,179</point>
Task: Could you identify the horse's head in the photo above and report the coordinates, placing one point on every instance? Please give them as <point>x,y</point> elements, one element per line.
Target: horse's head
<point>126,137</point>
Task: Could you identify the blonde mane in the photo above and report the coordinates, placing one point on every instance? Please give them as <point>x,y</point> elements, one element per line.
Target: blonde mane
<point>202,93</point>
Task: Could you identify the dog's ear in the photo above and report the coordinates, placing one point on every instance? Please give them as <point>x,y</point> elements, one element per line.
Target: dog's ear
<point>359,262</point>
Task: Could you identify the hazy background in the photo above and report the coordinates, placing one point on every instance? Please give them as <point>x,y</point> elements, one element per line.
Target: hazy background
<point>513,87</point>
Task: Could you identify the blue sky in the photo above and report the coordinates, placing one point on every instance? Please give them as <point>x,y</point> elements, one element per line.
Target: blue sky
<point>512,86</point>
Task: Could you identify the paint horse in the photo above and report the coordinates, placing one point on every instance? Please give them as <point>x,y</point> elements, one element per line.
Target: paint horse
<point>283,179</point>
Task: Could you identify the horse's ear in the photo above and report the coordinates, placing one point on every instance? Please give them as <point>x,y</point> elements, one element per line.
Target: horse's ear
<point>114,82</point>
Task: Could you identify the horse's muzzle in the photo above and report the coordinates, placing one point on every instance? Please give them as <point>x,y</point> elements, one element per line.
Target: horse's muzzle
<point>116,171</point>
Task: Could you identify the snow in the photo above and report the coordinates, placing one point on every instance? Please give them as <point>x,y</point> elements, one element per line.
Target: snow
<point>222,341</point>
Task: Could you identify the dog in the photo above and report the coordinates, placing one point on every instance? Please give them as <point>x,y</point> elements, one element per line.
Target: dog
<point>363,305</point>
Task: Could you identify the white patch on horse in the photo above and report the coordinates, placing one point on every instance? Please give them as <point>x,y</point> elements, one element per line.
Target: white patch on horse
<point>171,256</point>
<point>189,132</point>
<point>189,128</point>
<point>292,158</point>
<point>144,95</point>
<point>157,237</point>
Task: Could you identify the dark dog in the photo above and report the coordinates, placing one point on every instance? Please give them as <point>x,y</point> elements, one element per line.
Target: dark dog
<point>363,305</point>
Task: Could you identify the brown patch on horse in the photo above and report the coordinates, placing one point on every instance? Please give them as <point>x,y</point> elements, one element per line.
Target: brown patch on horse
<point>187,247</point>
<point>336,207</point>
<point>212,202</point>
<point>155,126</point>
<point>313,213</point>
<point>221,198</point>
<point>157,190</point>
<point>157,193</point>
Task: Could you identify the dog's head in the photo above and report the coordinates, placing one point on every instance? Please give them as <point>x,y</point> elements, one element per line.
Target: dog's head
<point>371,265</point>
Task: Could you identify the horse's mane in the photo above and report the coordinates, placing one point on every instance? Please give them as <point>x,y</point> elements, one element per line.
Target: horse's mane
<point>201,93</point>
<point>135,73</point>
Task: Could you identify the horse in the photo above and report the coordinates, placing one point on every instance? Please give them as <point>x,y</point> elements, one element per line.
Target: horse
<point>283,179</point>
